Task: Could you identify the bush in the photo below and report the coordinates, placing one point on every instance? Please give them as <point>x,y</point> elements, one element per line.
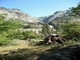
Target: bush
<point>6,28</point>
<point>72,30</point>
<point>15,35</point>
<point>23,35</point>
<point>4,40</point>
<point>9,25</point>
<point>30,35</point>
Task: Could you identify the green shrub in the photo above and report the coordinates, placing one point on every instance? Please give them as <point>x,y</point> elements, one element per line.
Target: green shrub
<point>72,30</point>
<point>30,35</point>
<point>6,29</point>
<point>4,40</point>
<point>23,35</point>
<point>9,25</point>
<point>15,35</point>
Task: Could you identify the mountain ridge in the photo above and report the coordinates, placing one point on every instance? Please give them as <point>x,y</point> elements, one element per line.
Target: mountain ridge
<point>55,15</point>
<point>15,13</point>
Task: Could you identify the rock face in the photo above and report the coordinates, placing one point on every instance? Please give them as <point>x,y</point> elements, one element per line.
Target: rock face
<point>59,15</point>
<point>16,14</point>
<point>54,16</point>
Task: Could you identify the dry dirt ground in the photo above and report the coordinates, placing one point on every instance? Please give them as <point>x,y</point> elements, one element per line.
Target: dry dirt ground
<point>21,44</point>
<point>26,50</point>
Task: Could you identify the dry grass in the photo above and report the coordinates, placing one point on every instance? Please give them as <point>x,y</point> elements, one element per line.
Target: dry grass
<point>19,44</point>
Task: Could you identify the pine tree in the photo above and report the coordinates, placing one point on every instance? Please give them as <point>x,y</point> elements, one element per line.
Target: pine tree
<point>46,29</point>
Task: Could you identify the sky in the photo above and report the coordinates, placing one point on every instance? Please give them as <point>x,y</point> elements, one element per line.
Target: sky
<point>39,8</point>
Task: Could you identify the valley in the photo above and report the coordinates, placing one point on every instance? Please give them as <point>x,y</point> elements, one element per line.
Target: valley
<point>53,37</point>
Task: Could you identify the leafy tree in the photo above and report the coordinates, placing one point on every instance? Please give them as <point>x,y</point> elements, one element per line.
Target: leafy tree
<point>72,30</point>
<point>75,11</point>
<point>9,25</point>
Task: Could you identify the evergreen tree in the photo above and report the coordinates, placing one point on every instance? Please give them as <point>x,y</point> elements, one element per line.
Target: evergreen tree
<point>46,29</point>
<point>75,11</point>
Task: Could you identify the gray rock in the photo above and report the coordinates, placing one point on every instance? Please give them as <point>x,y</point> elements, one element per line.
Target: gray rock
<point>17,14</point>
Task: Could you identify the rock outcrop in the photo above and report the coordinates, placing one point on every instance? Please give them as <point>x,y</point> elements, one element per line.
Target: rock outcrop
<point>57,14</point>
<point>17,14</point>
